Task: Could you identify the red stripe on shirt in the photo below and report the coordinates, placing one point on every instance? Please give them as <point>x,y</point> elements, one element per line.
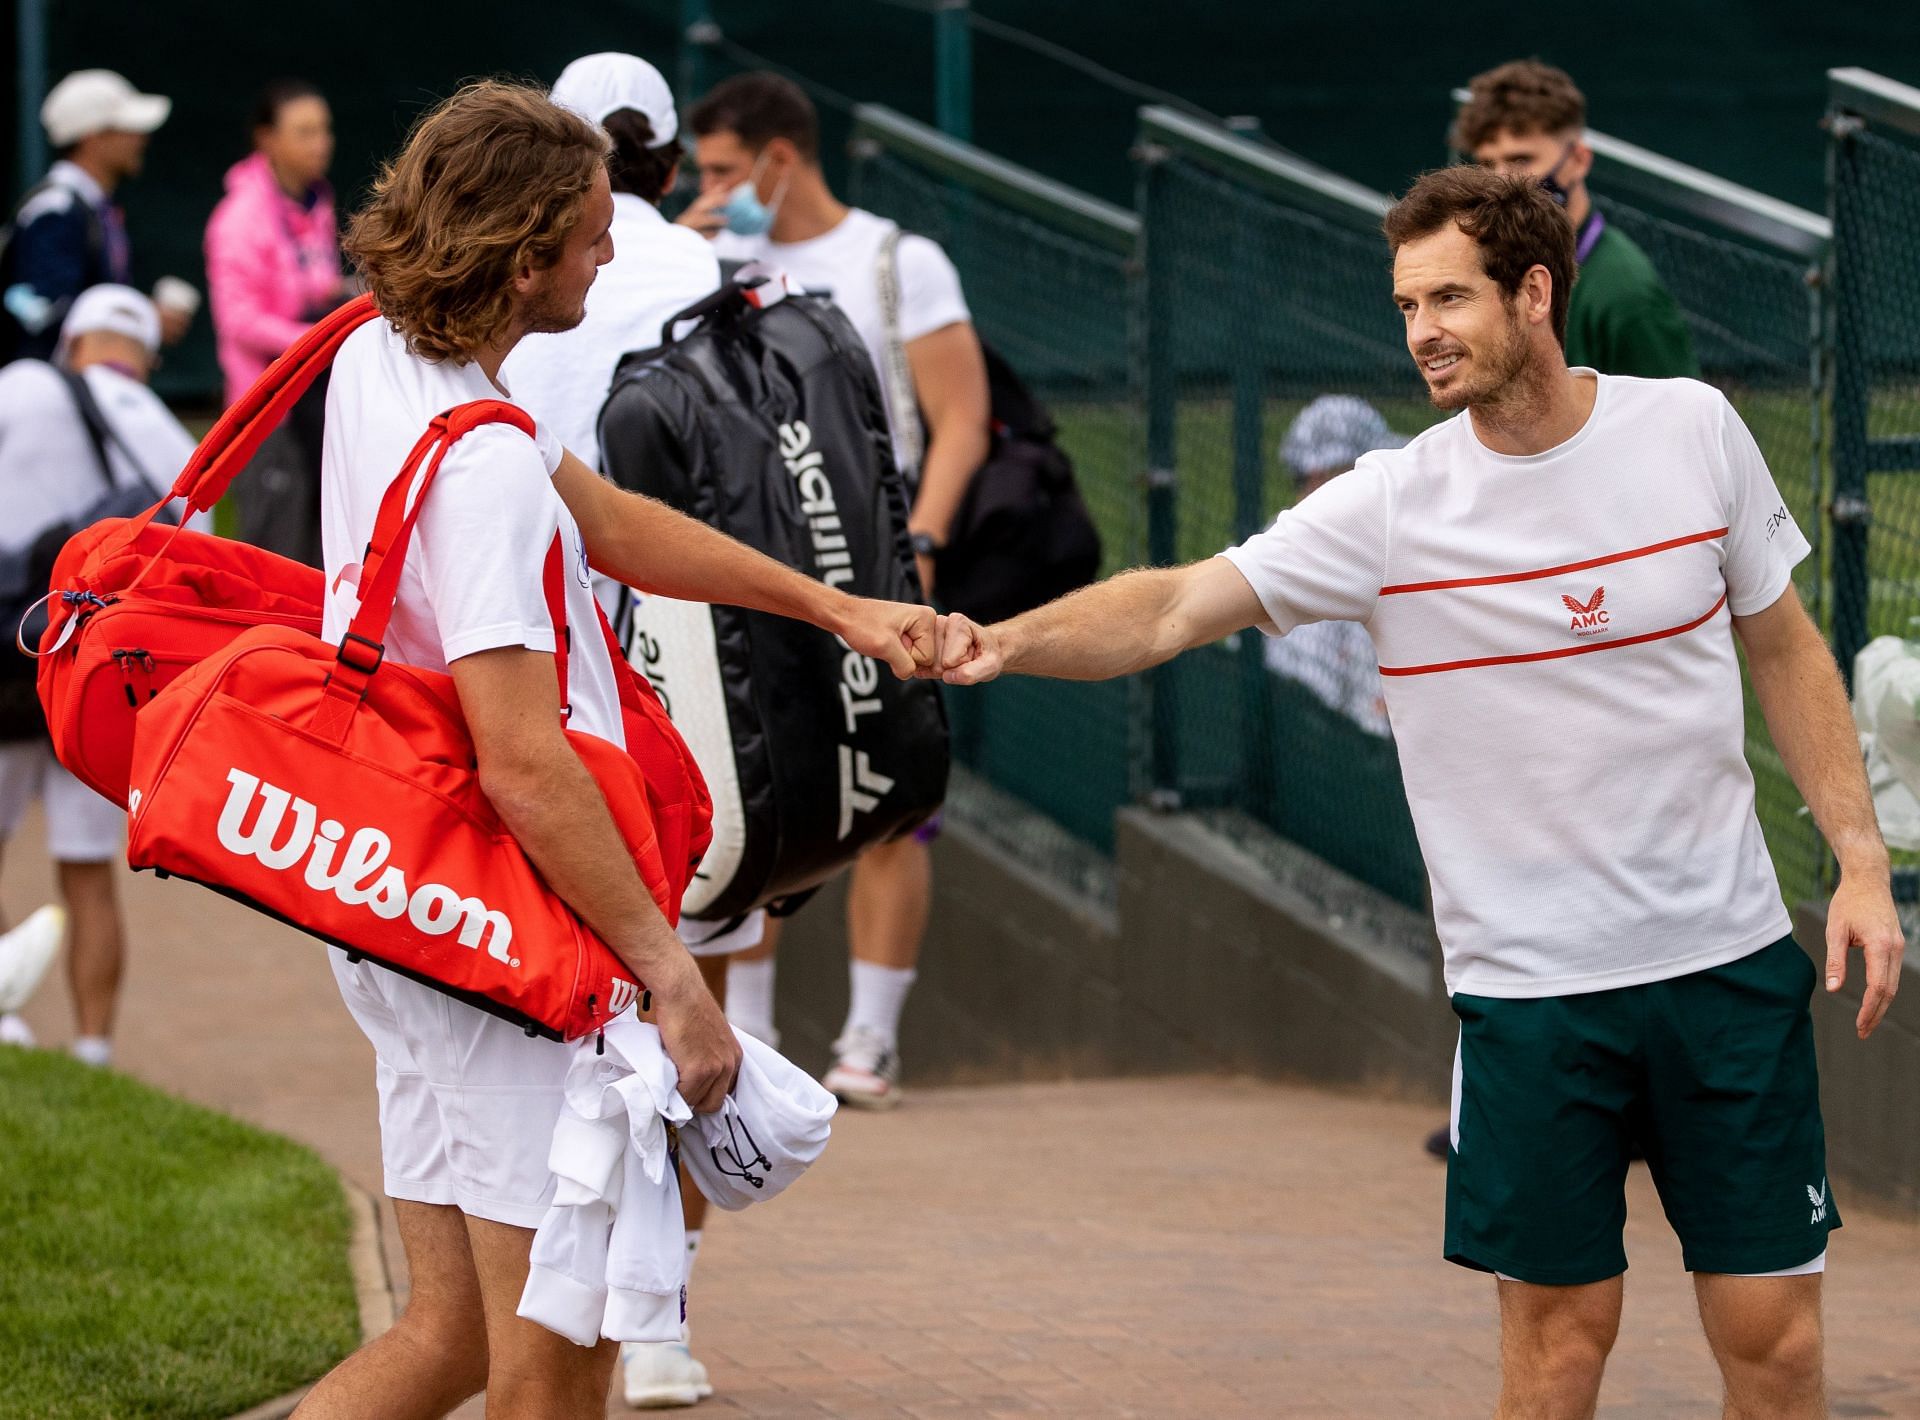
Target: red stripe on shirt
<point>1505,577</point>
<point>1556,654</point>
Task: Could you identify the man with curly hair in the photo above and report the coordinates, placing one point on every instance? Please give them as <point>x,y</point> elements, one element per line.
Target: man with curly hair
<point>1529,119</point>
<point>487,227</point>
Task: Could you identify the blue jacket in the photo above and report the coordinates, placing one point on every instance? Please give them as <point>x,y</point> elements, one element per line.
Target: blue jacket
<point>57,248</point>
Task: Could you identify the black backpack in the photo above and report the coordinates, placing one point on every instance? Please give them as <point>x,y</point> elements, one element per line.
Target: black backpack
<point>766,423</point>
<point>26,572</point>
<point>1021,535</point>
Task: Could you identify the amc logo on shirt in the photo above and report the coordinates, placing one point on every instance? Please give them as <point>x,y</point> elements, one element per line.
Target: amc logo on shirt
<point>1589,617</point>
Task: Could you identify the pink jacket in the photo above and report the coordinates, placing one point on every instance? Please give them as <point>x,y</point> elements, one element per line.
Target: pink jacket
<point>272,263</point>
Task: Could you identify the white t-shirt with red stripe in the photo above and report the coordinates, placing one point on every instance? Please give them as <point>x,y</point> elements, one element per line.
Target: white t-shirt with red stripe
<point>1558,659</point>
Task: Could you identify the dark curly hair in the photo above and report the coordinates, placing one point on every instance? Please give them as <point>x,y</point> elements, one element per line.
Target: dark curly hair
<point>493,178</point>
<point>636,165</point>
<point>1515,224</point>
<point>1523,96</point>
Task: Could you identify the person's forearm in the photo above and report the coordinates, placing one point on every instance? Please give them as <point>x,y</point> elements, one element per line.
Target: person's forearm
<point>1805,705</point>
<point>1113,628</point>
<point>706,566</point>
<point>953,455</point>
<point>557,814</point>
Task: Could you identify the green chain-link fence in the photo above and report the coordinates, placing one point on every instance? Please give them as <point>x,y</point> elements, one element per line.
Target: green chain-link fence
<point>1266,286</point>
<point>1746,272</point>
<point>1047,272</point>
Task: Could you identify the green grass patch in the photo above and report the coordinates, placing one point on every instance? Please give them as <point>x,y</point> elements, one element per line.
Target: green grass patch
<point>157,1259</point>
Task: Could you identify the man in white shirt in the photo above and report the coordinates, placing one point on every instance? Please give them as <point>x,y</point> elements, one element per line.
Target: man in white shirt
<point>51,471</point>
<point>487,227</point>
<point>757,139</point>
<point>1555,584</point>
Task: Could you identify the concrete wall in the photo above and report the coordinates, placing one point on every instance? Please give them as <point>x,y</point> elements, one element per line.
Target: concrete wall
<point>1208,961</point>
<point>1232,954</point>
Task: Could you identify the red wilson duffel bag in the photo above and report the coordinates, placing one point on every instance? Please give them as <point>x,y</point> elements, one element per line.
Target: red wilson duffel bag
<point>142,610</point>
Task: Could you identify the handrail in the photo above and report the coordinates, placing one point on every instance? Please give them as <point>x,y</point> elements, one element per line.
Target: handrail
<point>1876,98</point>
<point>1300,182</point>
<point>1019,187</point>
<point>1627,168</point>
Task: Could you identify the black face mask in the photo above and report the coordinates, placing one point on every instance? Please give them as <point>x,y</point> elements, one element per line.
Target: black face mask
<point>1550,184</point>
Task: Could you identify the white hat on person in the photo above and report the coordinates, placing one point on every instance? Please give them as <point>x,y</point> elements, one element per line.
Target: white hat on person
<point>90,101</point>
<point>119,309</point>
<point>1331,433</point>
<point>596,85</point>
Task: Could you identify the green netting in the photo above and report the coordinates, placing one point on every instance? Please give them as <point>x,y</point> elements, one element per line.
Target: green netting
<point>1056,305</point>
<point>1268,306</point>
<point>1753,318</point>
<point>1875,556</point>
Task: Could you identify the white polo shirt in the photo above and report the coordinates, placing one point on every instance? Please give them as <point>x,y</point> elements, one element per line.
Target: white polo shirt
<point>474,574</point>
<point>844,264</point>
<point>1555,643</point>
<point>658,269</point>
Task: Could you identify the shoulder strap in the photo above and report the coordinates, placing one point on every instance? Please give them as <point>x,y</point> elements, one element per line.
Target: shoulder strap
<point>100,430</point>
<point>91,419</point>
<point>233,441</point>
<point>903,408</point>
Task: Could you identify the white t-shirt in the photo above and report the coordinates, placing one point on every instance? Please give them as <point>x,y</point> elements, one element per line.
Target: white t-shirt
<point>1554,637</point>
<point>844,263</point>
<point>658,269</point>
<point>474,578</point>
<point>48,471</point>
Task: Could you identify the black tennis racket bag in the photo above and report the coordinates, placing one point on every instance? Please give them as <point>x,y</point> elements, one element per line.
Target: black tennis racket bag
<point>765,421</point>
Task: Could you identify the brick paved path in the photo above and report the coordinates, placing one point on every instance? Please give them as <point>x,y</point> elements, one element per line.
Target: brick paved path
<point>1208,1249</point>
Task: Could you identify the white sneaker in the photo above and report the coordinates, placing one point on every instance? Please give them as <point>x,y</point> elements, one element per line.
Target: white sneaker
<point>25,954</point>
<point>662,1375</point>
<point>14,1031</point>
<point>866,1071</point>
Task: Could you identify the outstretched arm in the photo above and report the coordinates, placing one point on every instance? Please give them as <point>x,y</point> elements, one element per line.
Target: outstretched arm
<point>1805,705</point>
<point>1114,628</point>
<point>647,545</point>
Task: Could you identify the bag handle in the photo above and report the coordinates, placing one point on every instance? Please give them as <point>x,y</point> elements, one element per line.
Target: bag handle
<point>237,435</point>
<point>363,648</point>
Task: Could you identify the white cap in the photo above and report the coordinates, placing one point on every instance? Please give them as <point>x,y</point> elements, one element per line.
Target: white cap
<point>90,101</point>
<point>596,85</point>
<point>1331,433</point>
<point>120,309</point>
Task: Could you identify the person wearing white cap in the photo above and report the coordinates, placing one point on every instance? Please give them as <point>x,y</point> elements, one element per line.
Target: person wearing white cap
<point>1333,659</point>
<point>658,269</point>
<point>68,233</point>
<point>67,433</point>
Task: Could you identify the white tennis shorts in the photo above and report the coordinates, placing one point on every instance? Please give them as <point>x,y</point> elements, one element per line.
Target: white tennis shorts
<point>467,1101</point>
<point>82,827</point>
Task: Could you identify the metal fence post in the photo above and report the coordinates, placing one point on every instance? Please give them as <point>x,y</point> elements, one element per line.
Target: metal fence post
<point>30,38</point>
<point>1161,393</point>
<point>698,35</point>
<point>1255,782</point>
<point>1849,511</point>
<point>953,69</point>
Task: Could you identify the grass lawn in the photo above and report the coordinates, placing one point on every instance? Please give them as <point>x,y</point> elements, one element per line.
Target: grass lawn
<point>156,1259</point>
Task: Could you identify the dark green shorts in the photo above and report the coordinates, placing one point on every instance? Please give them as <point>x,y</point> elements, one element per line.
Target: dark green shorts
<point>1712,1074</point>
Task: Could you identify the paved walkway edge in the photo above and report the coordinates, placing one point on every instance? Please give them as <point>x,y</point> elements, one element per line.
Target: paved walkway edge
<point>372,1287</point>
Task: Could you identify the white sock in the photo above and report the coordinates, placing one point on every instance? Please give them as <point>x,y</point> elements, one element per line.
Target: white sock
<point>693,1252</point>
<point>750,997</point>
<point>15,1031</point>
<point>94,1050</point>
<point>879,995</point>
